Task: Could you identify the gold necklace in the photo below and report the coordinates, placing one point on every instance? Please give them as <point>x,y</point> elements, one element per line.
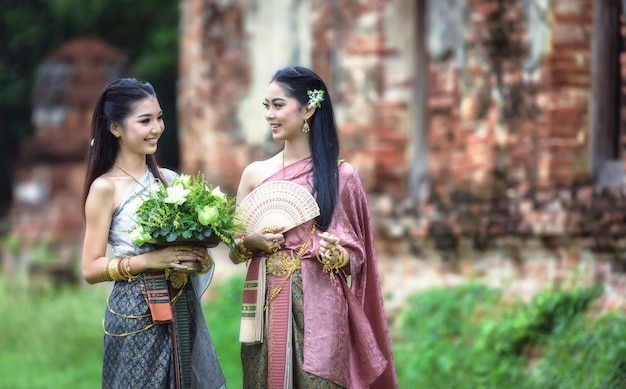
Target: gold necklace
<point>296,173</point>
<point>134,179</point>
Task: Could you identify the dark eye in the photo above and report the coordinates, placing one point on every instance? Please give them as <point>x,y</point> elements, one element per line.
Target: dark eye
<point>160,118</point>
<point>266,105</point>
<point>145,121</point>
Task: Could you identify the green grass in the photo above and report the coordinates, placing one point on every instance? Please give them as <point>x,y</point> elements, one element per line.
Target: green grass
<point>51,339</point>
<point>222,314</point>
<point>465,337</point>
<point>470,337</point>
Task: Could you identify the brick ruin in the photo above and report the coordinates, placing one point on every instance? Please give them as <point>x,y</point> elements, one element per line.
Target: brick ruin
<point>46,218</point>
<point>488,133</point>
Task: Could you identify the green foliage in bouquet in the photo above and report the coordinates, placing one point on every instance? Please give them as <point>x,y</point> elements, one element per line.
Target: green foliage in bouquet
<point>186,211</point>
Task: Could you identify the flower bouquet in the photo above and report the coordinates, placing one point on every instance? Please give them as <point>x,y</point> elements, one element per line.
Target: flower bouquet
<point>186,212</point>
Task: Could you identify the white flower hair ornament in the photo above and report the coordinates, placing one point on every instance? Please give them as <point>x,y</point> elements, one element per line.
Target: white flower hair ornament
<point>315,98</point>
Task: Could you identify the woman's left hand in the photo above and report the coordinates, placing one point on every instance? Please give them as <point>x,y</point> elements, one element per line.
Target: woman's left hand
<point>329,244</point>
<point>331,254</point>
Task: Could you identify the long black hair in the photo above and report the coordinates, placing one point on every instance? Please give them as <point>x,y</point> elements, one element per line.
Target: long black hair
<point>323,141</point>
<point>114,105</point>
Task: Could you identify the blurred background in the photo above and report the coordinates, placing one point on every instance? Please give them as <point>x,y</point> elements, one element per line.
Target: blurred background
<point>489,136</point>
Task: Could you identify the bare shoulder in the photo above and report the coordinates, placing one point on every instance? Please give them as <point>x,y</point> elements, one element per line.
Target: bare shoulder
<point>256,168</point>
<point>102,186</point>
<point>252,173</point>
<point>257,172</point>
<point>101,193</point>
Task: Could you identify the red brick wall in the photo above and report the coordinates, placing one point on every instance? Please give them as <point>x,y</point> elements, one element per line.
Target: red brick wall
<point>508,150</point>
<point>52,161</point>
<point>537,135</point>
<point>213,78</point>
<point>215,71</point>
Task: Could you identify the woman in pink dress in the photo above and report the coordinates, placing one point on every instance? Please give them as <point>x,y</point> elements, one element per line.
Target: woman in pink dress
<point>320,320</point>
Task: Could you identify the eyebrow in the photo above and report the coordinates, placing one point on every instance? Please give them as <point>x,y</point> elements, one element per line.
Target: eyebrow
<point>275,99</point>
<point>148,114</point>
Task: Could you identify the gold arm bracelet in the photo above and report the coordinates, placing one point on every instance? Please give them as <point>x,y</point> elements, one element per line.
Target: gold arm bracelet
<point>129,273</point>
<point>125,270</point>
<point>241,250</point>
<point>105,270</point>
<point>114,272</point>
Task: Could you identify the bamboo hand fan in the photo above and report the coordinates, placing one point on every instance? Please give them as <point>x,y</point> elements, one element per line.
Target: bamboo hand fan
<point>277,203</point>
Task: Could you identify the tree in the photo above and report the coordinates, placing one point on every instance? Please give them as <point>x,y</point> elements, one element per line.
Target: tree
<point>146,30</point>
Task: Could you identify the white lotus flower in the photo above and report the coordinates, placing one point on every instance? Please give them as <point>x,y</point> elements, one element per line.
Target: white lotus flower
<point>218,193</point>
<point>176,194</point>
<point>184,179</point>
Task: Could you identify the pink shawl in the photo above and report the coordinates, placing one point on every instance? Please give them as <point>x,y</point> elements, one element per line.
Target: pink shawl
<point>346,338</point>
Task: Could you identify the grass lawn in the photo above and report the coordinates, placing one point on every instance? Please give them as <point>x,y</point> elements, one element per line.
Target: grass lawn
<point>464,337</point>
<point>53,339</point>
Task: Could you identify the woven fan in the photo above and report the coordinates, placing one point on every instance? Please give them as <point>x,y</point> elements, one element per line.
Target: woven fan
<point>277,203</point>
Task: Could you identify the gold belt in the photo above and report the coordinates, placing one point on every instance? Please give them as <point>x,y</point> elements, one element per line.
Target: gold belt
<point>282,264</point>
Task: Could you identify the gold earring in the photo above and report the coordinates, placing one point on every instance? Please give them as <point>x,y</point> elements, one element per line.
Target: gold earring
<point>305,126</point>
<point>117,135</point>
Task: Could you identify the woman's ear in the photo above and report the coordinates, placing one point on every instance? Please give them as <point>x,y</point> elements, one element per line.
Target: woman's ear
<point>308,112</point>
<point>114,129</point>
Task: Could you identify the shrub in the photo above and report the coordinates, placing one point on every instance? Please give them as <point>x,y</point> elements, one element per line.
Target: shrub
<point>470,337</point>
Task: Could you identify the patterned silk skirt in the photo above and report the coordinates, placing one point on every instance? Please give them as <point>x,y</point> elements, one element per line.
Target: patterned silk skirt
<point>137,352</point>
<point>254,357</point>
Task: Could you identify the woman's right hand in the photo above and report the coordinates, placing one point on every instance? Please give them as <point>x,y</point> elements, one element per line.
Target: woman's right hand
<point>269,239</point>
<point>171,258</point>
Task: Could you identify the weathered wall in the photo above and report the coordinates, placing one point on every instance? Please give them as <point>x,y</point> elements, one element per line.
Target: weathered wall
<point>502,141</point>
<point>507,119</point>
<point>230,52</point>
<point>214,78</point>
<point>46,215</point>
<point>509,152</point>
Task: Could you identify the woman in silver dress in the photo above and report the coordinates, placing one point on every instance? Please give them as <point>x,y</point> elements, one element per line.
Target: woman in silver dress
<point>155,335</point>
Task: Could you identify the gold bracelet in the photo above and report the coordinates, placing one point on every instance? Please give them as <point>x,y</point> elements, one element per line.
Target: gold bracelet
<point>105,270</point>
<point>121,268</point>
<point>129,274</point>
<point>241,250</point>
<point>345,259</point>
<point>332,265</point>
<point>247,253</point>
<point>114,270</point>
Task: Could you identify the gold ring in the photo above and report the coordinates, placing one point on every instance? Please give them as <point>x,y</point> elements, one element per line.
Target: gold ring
<point>176,260</point>
<point>328,254</point>
<point>275,247</point>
